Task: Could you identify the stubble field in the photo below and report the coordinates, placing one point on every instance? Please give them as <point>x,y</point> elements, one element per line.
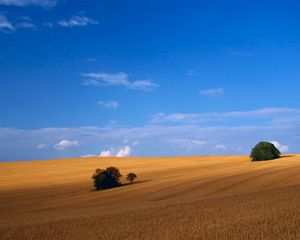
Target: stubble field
<point>215,197</point>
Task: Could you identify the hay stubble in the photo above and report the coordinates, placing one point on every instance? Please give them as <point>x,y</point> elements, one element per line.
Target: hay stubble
<point>216,197</point>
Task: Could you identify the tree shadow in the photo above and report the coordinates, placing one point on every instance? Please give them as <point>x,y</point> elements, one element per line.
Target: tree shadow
<point>287,156</point>
<point>135,182</point>
<point>120,186</point>
<point>282,156</point>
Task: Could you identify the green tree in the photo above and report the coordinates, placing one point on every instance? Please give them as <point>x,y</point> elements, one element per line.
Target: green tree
<point>264,151</point>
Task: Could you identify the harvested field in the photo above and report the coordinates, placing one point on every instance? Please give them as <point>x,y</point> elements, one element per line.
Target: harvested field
<point>215,197</point>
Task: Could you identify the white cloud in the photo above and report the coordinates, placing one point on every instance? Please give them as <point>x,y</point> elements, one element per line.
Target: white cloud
<point>5,25</point>
<point>25,23</point>
<point>213,92</point>
<point>106,79</point>
<point>275,114</point>
<point>22,23</point>
<point>281,148</point>
<point>108,104</point>
<point>119,79</point>
<point>41,146</point>
<point>239,138</point>
<point>221,147</point>
<point>121,152</point>
<point>78,21</point>
<point>22,3</point>
<point>143,85</point>
<point>124,152</point>
<point>188,144</point>
<point>106,153</point>
<point>65,144</point>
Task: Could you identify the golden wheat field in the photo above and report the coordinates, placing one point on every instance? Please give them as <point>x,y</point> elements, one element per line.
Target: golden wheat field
<point>215,197</point>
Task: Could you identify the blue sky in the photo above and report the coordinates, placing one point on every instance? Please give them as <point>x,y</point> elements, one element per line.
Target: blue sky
<point>147,78</point>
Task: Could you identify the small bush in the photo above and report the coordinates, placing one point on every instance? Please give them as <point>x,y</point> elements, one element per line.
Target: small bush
<point>264,151</point>
<point>108,178</point>
<point>131,176</point>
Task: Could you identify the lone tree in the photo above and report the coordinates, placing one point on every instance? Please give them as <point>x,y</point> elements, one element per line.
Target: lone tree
<point>108,178</point>
<point>264,151</point>
<point>131,176</point>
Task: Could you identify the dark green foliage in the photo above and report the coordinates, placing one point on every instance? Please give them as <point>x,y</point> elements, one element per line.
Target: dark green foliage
<point>108,178</point>
<point>264,151</point>
<point>131,176</point>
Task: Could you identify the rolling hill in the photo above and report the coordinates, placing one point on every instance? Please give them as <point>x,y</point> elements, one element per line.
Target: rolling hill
<point>215,197</point>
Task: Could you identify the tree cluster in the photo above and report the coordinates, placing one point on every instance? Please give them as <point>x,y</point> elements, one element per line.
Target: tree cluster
<point>110,178</point>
